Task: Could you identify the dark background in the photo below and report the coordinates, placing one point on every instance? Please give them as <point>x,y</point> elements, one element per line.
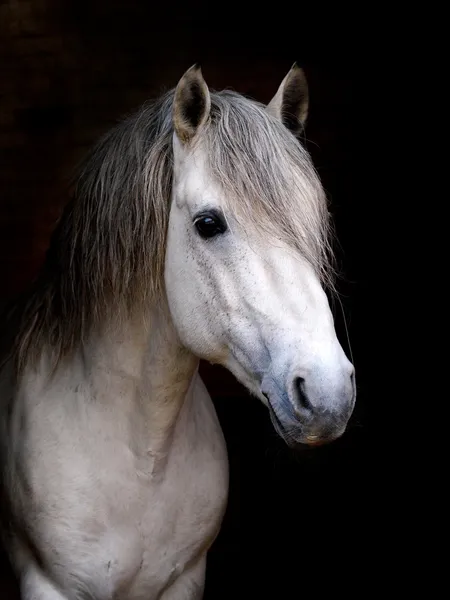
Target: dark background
<point>69,71</point>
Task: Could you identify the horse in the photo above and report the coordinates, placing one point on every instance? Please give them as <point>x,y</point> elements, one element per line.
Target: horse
<point>198,229</point>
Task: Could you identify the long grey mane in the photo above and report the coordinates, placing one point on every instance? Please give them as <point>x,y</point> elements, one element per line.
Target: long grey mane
<point>106,256</point>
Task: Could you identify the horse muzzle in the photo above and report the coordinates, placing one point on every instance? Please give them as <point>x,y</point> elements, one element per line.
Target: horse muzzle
<point>310,409</point>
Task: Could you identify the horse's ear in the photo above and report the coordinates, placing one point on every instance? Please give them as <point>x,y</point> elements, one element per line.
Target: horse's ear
<point>290,103</point>
<point>191,104</point>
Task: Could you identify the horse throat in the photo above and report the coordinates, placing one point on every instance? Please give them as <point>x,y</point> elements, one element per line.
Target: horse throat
<point>150,377</point>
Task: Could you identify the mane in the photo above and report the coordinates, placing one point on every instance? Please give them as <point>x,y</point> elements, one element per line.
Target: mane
<point>106,255</point>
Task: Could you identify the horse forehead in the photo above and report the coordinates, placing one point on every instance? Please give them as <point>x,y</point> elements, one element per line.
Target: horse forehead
<point>194,185</point>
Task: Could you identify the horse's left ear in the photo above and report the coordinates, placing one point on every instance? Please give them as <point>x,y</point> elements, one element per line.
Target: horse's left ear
<point>291,102</point>
<point>191,104</point>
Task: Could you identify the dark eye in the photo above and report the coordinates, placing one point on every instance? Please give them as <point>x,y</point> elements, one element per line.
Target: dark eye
<point>210,224</point>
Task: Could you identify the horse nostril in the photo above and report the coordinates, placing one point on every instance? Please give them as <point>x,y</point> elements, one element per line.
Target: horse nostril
<point>302,405</point>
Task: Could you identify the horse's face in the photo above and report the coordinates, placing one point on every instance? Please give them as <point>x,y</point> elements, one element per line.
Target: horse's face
<point>253,305</point>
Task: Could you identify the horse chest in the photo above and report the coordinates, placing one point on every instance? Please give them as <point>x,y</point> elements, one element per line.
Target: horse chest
<point>183,512</point>
<point>129,530</point>
<point>180,525</point>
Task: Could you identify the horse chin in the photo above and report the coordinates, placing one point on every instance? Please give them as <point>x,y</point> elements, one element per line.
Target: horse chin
<point>295,435</point>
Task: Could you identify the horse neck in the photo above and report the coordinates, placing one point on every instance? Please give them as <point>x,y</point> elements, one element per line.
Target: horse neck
<point>143,368</point>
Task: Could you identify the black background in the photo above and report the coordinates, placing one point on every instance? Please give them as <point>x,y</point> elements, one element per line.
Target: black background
<point>295,524</point>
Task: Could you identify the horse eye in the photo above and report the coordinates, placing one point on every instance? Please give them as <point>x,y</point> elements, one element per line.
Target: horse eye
<point>209,225</point>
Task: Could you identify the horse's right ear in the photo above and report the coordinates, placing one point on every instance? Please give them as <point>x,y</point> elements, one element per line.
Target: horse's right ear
<point>290,103</point>
<point>191,105</point>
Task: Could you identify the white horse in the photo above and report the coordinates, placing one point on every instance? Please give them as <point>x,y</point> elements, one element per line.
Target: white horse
<point>198,230</point>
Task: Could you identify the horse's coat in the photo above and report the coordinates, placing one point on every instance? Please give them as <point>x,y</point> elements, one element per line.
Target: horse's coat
<point>199,229</point>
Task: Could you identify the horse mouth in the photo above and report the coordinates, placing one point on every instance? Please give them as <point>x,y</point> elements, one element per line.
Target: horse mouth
<point>278,425</point>
<point>275,420</point>
<point>293,436</point>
